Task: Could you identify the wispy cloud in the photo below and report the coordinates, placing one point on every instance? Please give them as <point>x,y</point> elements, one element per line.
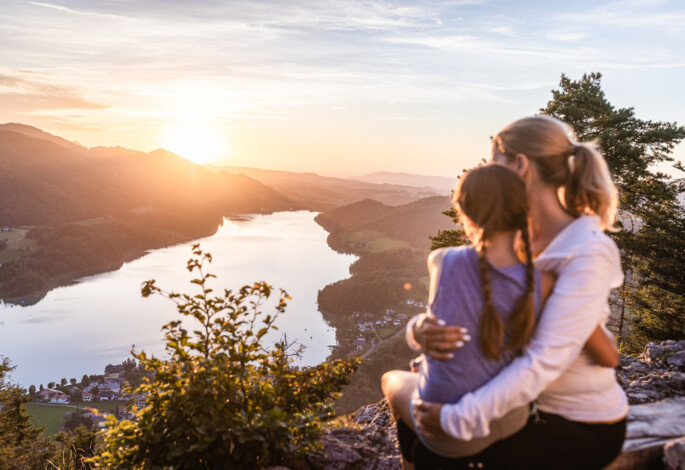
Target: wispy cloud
<point>132,67</point>
<point>18,93</point>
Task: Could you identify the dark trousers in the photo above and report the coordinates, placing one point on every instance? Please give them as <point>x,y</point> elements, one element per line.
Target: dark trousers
<point>546,442</point>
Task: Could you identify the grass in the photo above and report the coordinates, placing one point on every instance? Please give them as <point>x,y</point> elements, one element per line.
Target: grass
<point>388,331</point>
<point>375,240</point>
<point>96,220</point>
<point>17,245</point>
<point>16,234</point>
<point>52,415</point>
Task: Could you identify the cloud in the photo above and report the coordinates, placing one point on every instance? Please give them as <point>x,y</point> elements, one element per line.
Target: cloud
<point>28,102</point>
<point>568,36</point>
<point>474,45</point>
<point>71,11</point>
<point>31,94</point>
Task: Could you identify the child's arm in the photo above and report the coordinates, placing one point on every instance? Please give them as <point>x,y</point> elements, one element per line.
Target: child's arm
<point>601,346</point>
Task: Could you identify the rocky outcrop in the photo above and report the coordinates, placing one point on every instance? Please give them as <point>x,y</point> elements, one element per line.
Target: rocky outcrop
<point>654,383</point>
<point>674,454</point>
<point>659,373</point>
<point>652,429</point>
<point>365,439</point>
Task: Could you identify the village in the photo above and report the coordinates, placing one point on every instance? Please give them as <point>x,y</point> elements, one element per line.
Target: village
<point>373,330</point>
<point>93,399</point>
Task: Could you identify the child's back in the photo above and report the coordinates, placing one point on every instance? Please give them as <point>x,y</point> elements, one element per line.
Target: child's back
<point>459,301</point>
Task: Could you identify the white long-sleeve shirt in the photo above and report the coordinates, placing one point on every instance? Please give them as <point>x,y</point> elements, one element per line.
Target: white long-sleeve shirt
<point>554,369</point>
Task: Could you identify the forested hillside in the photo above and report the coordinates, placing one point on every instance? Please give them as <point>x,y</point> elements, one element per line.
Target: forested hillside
<point>73,211</point>
<point>389,283</point>
<point>42,181</point>
<point>414,222</point>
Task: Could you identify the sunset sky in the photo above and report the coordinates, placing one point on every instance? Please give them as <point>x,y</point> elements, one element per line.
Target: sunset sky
<point>328,86</point>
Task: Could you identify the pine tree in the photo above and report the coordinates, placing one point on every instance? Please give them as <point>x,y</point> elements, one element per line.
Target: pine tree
<point>652,220</point>
<point>452,237</point>
<point>20,443</point>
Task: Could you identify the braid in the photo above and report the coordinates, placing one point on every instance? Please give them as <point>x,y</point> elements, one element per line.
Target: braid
<point>491,329</point>
<point>522,320</point>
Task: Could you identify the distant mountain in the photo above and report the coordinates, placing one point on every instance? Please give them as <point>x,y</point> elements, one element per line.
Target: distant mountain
<point>318,192</point>
<point>413,222</point>
<point>47,180</point>
<point>441,184</point>
<point>36,133</point>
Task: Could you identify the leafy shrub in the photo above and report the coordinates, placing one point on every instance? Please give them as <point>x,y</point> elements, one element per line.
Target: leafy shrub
<point>221,399</point>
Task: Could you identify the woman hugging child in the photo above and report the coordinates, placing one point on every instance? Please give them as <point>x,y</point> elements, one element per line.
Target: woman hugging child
<point>486,289</point>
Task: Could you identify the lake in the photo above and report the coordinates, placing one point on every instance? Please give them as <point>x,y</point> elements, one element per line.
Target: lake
<point>79,329</point>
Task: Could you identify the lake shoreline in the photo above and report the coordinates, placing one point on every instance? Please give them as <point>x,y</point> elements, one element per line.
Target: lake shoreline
<point>97,318</point>
<point>34,296</point>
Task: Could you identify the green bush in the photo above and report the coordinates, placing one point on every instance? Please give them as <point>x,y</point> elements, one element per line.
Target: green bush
<point>222,399</point>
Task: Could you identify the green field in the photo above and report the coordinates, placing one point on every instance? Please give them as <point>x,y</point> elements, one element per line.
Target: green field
<point>51,415</point>
<point>17,245</point>
<point>388,331</point>
<point>376,241</point>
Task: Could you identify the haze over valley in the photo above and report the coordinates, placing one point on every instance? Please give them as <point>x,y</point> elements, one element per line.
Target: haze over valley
<point>69,212</point>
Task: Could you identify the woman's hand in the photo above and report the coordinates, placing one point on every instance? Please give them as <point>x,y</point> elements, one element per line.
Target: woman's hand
<point>437,339</point>
<point>427,418</point>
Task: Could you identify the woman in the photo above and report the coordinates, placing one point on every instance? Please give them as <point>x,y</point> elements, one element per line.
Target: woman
<point>581,417</point>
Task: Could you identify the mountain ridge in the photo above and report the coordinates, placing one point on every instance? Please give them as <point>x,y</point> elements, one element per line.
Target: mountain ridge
<point>442,184</point>
<point>321,193</point>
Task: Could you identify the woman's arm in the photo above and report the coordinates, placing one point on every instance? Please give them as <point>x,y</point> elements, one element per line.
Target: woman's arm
<point>601,345</point>
<point>602,348</point>
<point>569,318</point>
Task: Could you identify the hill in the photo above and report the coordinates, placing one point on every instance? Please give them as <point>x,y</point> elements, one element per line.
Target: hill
<point>34,132</point>
<point>389,283</point>
<point>89,210</point>
<point>320,193</point>
<point>45,180</point>
<point>440,184</point>
<point>412,223</point>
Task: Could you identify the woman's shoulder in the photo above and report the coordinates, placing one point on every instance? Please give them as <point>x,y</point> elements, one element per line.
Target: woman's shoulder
<point>583,235</point>
<point>583,243</point>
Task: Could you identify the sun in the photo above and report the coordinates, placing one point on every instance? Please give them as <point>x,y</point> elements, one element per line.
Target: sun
<point>200,142</point>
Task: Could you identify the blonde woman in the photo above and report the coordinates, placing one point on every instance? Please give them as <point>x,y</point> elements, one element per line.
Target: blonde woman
<point>581,410</point>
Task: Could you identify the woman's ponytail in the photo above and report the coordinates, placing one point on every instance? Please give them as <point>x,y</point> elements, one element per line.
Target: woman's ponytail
<point>576,167</point>
<point>589,188</point>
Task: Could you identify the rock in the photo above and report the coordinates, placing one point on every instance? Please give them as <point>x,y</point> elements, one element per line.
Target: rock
<point>674,454</point>
<point>676,360</point>
<point>645,459</point>
<point>669,354</point>
<point>650,380</point>
<point>655,424</point>
<point>365,439</point>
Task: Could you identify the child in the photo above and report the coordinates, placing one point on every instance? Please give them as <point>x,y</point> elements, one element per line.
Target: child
<point>487,290</point>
